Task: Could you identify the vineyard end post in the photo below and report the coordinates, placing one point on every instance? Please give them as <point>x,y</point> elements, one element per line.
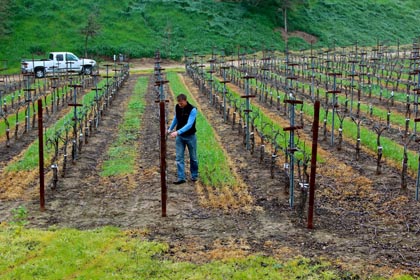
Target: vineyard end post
<point>41,157</point>
<point>313,165</point>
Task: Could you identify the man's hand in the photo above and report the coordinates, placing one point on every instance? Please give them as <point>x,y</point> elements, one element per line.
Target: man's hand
<point>174,134</point>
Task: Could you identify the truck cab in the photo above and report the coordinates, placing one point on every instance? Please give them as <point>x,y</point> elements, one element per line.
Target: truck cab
<point>58,62</point>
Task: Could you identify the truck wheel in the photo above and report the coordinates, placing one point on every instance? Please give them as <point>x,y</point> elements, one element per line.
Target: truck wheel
<point>39,72</point>
<point>87,70</point>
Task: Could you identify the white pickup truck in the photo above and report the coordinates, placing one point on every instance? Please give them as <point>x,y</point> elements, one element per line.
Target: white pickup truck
<point>58,62</point>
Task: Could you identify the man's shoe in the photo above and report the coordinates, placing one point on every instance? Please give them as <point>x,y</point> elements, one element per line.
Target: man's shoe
<point>179,182</point>
<point>194,179</point>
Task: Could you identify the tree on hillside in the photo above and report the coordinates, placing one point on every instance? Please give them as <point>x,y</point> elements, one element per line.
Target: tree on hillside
<point>283,5</point>
<point>90,30</point>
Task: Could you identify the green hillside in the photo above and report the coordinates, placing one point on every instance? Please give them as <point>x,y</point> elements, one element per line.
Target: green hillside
<point>139,27</point>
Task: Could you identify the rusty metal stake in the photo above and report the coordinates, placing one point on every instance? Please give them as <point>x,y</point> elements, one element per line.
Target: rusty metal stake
<point>163,156</point>
<point>313,165</point>
<point>41,157</point>
<point>160,82</point>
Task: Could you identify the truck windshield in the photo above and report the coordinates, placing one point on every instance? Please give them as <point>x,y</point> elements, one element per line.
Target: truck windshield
<point>71,57</point>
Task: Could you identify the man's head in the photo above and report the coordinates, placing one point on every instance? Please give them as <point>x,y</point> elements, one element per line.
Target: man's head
<point>182,100</point>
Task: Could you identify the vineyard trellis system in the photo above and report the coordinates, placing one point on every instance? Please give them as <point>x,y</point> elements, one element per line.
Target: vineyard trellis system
<point>87,97</point>
<point>247,125</point>
<point>381,78</point>
<point>79,125</point>
<point>20,103</point>
<point>266,105</point>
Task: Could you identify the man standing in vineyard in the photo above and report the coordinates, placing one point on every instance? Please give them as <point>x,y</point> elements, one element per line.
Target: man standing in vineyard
<point>185,116</point>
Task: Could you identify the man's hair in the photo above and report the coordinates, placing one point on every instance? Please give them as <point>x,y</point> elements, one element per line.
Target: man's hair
<point>181,97</point>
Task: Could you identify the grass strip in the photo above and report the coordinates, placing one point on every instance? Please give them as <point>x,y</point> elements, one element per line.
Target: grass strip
<point>214,166</point>
<point>121,154</point>
<point>109,253</point>
<point>51,254</point>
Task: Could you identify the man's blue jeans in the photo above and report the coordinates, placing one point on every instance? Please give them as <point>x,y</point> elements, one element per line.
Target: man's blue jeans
<point>181,142</point>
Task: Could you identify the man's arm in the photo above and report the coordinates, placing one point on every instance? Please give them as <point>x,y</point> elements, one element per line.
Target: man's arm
<point>174,122</point>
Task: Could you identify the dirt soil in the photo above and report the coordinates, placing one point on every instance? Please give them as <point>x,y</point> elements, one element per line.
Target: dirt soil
<point>308,38</point>
<point>363,222</point>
